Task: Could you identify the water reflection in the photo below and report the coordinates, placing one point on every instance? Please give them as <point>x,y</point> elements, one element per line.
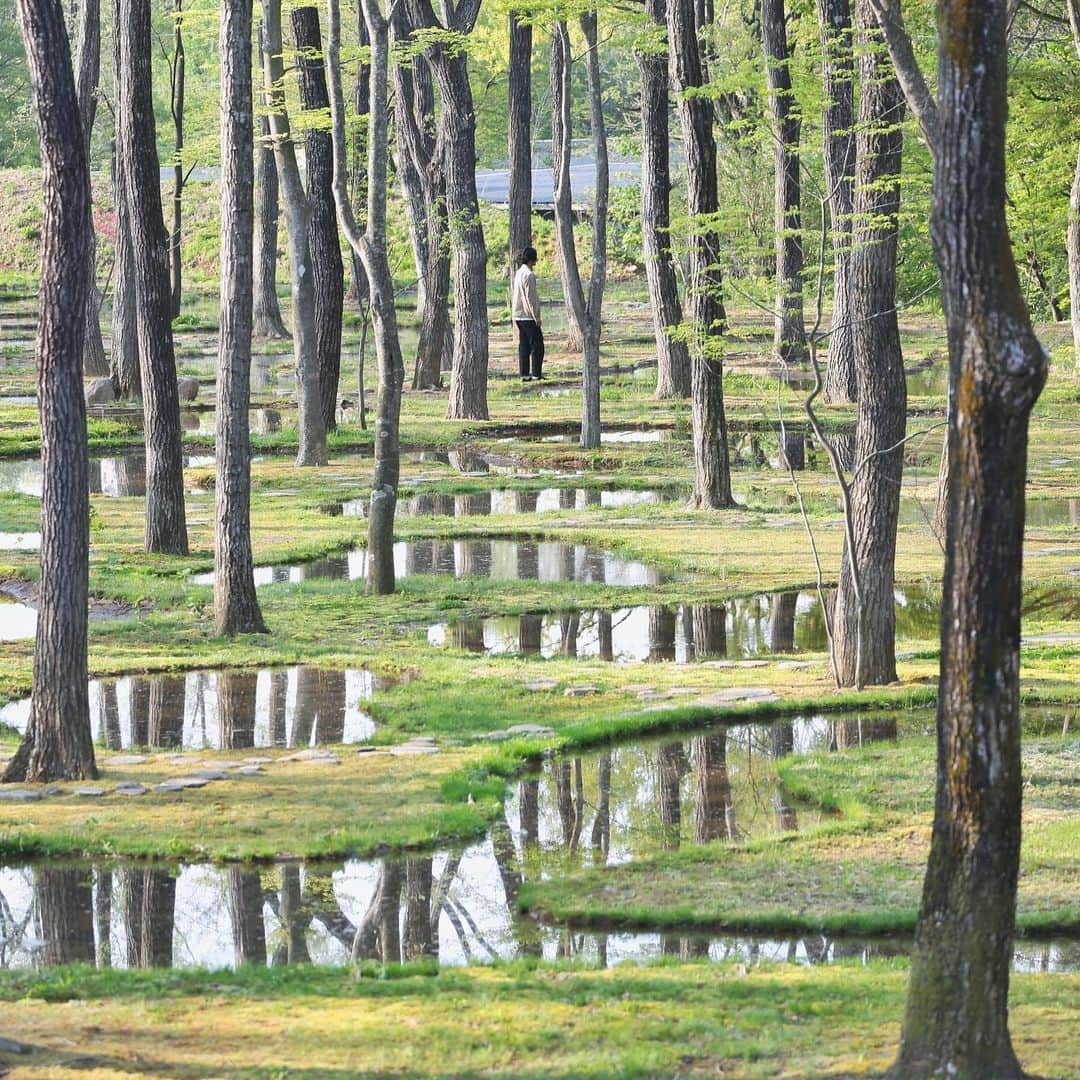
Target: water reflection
<point>226,710</point>
<point>503,560</point>
<point>120,476</point>
<point>18,622</point>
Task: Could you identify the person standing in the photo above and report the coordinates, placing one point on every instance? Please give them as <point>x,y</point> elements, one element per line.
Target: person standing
<point>525,310</point>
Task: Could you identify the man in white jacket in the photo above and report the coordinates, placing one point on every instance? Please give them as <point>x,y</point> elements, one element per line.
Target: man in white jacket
<point>525,309</point>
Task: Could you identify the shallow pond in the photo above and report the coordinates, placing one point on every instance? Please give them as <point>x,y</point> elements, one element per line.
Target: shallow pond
<point>119,476</point>
<point>500,560</point>
<point>225,710</point>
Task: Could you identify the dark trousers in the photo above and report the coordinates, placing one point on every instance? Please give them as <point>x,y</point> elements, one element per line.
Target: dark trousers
<point>530,348</point>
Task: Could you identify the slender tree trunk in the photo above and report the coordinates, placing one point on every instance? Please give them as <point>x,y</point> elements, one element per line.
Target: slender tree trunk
<point>124,361</point>
<point>838,133</point>
<point>178,72</point>
<point>58,743</point>
<point>957,1013</point>
<point>672,354</point>
<point>371,246</point>
<point>268,320</point>
<point>166,528</point>
<point>865,622</point>
<point>468,381</point>
<point>312,429</point>
<point>1072,234</point>
<point>519,138</point>
<point>236,606</point>
<point>87,77</point>
<point>789,336</point>
<point>323,240</point>
<point>420,168</point>
<point>712,469</point>
<point>358,159</point>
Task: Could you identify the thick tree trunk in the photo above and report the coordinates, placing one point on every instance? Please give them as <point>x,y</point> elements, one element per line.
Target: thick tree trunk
<point>519,139</point>
<point>957,1013</point>
<point>311,428</point>
<point>672,354</point>
<point>865,621</point>
<point>712,468</point>
<point>420,168</point>
<point>327,268</point>
<point>166,528</point>
<point>838,133</point>
<point>124,361</point>
<point>372,249</point>
<point>268,320</point>
<point>236,606</point>
<point>87,76</point>
<point>58,743</point>
<point>178,74</point>
<point>789,334</point>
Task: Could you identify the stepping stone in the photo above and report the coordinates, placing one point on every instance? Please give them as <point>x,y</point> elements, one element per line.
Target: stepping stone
<point>366,750</point>
<point>51,792</point>
<point>797,665</point>
<point>10,1046</point>
<point>540,686</point>
<point>258,761</point>
<point>410,748</point>
<point>737,693</point>
<point>313,755</point>
<point>212,774</point>
<point>219,766</point>
<point>531,729</point>
<point>580,691</point>
<point>127,759</point>
<point>181,783</point>
<point>131,789</point>
<point>90,792</point>
<point>248,770</point>
<point>735,664</point>
<point>19,795</point>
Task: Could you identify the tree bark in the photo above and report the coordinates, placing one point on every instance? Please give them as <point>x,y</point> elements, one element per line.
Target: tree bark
<point>327,268</point>
<point>519,139</point>
<point>865,620</point>
<point>311,428</point>
<point>124,361</point>
<point>178,77</point>
<point>468,381</point>
<point>789,333</point>
<point>87,76</point>
<point>268,320</point>
<point>838,133</point>
<point>957,1012</point>
<point>372,249</point>
<point>672,354</point>
<point>236,606</point>
<point>1072,234</point>
<point>712,468</point>
<point>166,528</point>
<point>58,744</point>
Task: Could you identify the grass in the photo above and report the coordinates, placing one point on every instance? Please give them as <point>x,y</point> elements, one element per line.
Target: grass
<point>522,1020</point>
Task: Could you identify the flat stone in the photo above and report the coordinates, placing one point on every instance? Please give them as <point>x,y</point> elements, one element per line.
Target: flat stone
<point>734,664</point>
<point>366,750</point>
<point>90,792</point>
<point>258,761</point>
<point>248,770</point>
<point>737,693</point>
<point>580,691</point>
<point>218,764</point>
<point>796,665</point>
<point>10,1046</point>
<point>131,789</point>
<point>323,757</point>
<point>51,792</point>
<point>531,729</point>
<point>181,783</point>
<point>212,774</point>
<point>409,749</point>
<point>541,686</point>
<point>127,759</point>
<point>19,795</point>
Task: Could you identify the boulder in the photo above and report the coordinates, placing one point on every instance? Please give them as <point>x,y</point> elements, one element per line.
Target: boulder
<point>100,391</point>
<point>187,387</point>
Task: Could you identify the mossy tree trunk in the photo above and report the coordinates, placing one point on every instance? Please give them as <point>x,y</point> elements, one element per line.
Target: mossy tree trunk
<point>956,1021</point>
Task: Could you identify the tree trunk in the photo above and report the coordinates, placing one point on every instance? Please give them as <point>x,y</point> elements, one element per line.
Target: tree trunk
<point>166,528</point>
<point>268,320</point>
<point>519,139</point>
<point>712,469</point>
<point>178,72</point>
<point>468,381</point>
<point>838,133</point>
<point>311,428</point>
<point>323,240</point>
<point>372,249</point>
<point>420,167</point>
<point>957,1013</point>
<point>789,335</point>
<point>124,361</point>
<point>672,354</point>
<point>236,606</point>
<point>58,744</point>
<point>865,620</point>
<point>87,76</point>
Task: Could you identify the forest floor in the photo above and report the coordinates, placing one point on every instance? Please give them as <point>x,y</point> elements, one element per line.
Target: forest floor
<point>436,676</point>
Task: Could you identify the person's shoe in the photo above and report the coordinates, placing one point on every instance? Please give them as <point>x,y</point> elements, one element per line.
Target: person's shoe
<point>526,378</point>
<point>538,378</point>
